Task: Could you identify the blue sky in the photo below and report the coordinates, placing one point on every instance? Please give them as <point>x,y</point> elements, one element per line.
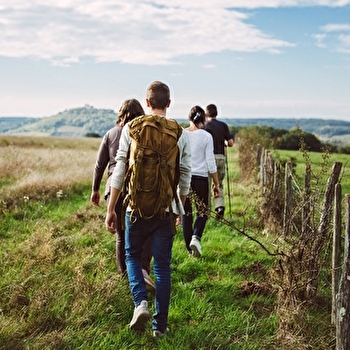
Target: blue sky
<point>253,58</point>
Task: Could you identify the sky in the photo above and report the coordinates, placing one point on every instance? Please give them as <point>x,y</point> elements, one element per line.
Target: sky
<point>252,58</point>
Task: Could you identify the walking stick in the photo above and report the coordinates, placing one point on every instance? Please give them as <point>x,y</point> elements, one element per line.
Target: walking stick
<point>228,182</point>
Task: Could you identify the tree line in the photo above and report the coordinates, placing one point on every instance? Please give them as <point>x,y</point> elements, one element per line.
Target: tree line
<point>289,139</point>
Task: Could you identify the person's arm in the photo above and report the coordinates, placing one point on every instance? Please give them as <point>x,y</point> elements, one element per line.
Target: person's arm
<point>230,142</point>
<point>111,216</point>
<point>183,199</point>
<point>228,137</point>
<point>211,164</point>
<point>216,184</point>
<point>179,217</point>
<point>117,179</point>
<point>185,166</point>
<point>185,173</point>
<point>95,197</point>
<point>100,166</point>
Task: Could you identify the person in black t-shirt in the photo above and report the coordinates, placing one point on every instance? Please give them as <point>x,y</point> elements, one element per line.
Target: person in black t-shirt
<point>222,138</point>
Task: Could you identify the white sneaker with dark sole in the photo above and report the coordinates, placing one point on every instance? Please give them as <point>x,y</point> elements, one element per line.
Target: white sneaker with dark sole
<point>140,317</point>
<point>159,334</point>
<point>196,247</point>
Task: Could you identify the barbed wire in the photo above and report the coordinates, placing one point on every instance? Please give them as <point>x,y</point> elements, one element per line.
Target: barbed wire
<point>202,210</point>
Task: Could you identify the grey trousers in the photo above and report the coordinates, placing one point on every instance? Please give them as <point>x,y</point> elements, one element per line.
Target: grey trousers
<point>220,160</point>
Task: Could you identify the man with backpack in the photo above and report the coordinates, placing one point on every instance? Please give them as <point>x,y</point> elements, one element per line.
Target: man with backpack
<point>153,164</point>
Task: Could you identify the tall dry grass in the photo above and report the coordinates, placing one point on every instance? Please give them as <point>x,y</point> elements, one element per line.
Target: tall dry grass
<point>36,168</point>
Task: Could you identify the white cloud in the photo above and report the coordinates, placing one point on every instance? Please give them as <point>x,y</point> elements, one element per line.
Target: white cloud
<point>139,32</point>
<point>249,4</point>
<point>333,37</point>
<point>336,28</point>
<point>344,43</point>
<point>209,66</point>
<point>320,40</point>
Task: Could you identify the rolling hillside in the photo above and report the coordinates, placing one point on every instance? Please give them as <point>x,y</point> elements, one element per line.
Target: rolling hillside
<point>78,122</point>
<point>75,122</point>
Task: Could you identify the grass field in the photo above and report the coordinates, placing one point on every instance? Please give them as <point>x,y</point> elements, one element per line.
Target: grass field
<point>60,288</point>
<point>318,161</point>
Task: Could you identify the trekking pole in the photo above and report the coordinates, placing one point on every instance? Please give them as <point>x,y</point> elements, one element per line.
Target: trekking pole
<point>228,182</point>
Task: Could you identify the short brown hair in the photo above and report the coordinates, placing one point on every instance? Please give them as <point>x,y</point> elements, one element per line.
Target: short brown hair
<point>158,95</point>
<point>212,111</point>
<point>129,110</point>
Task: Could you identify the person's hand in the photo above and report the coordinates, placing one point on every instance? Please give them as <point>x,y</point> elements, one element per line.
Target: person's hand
<point>95,197</point>
<point>178,220</point>
<point>111,222</point>
<point>216,189</point>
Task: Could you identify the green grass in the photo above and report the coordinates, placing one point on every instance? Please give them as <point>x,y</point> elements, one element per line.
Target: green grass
<point>60,289</point>
<point>318,161</point>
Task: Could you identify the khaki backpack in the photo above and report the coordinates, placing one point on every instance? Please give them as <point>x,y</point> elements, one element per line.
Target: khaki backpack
<point>153,171</point>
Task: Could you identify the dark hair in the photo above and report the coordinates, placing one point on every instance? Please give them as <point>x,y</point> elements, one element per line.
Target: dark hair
<point>129,110</point>
<point>212,111</point>
<point>197,115</point>
<point>158,95</point>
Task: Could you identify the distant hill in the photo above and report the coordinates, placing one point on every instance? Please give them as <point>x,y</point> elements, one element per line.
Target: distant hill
<point>10,123</point>
<point>78,122</point>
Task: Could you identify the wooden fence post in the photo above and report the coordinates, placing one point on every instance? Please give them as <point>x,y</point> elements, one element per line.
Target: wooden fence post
<point>269,169</point>
<point>276,179</point>
<point>305,229</point>
<point>258,154</point>
<point>288,199</point>
<point>265,171</point>
<point>262,167</point>
<point>343,296</point>
<point>322,232</point>
<point>336,263</point>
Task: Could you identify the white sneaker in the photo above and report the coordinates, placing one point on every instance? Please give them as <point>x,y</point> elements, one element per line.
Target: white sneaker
<point>196,247</point>
<point>159,334</point>
<point>140,317</point>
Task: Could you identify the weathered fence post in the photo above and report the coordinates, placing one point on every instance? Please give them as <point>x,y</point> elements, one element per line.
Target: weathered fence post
<point>269,169</point>
<point>336,263</point>
<point>265,170</point>
<point>305,229</point>
<point>343,296</point>
<point>322,231</point>
<point>258,154</point>
<point>276,179</point>
<point>262,167</point>
<point>288,199</point>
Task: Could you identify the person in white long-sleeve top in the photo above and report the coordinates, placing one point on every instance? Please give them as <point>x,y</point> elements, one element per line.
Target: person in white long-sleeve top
<point>203,165</point>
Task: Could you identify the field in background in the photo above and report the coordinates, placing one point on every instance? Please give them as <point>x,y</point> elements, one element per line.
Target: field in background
<point>37,168</point>
<point>319,161</point>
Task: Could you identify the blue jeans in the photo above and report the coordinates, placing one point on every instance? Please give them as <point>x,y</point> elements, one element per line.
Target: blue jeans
<point>137,231</point>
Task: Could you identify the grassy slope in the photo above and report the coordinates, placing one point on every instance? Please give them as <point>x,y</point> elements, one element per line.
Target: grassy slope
<point>59,287</point>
